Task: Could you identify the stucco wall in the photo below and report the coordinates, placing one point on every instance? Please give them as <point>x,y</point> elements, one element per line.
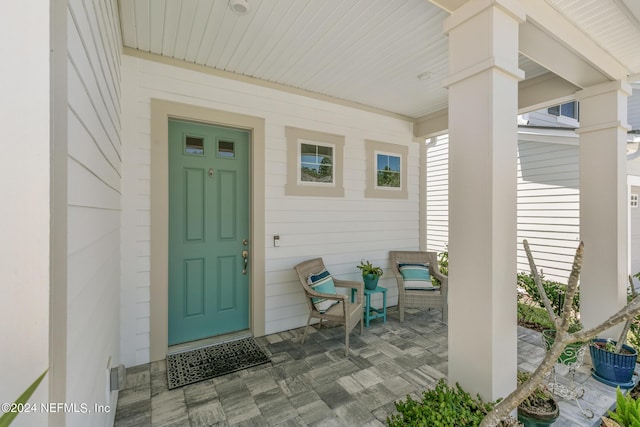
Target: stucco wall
<point>341,230</point>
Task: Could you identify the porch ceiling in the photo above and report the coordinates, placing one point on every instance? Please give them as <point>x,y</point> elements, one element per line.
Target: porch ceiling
<point>369,52</point>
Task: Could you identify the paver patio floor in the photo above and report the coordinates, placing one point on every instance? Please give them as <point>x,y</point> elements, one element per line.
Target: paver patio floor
<point>315,385</point>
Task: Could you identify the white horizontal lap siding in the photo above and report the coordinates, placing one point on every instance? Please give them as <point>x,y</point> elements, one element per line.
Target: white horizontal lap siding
<point>437,167</point>
<point>94,198</point>
<point>548,206</point>
<point>634,110</point>
<point>634,233</point>
<point>341,230</point>
<point>547,199</point>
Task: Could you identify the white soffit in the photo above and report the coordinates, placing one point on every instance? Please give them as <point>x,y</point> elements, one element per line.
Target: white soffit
<point>609,23</point>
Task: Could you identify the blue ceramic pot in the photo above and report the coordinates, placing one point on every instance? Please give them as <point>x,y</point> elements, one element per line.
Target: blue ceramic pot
<point>615,368</point>
<point>370,281</point>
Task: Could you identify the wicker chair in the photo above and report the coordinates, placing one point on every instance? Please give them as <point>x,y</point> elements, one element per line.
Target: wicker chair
<point>345,312</point>
<point>420,298</point>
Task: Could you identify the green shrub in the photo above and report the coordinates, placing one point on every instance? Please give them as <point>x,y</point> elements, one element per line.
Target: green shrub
<point>442,407</point>
<point>556,292</point>
<point>443,262</point>
<point>627,412</point>
<point>529,315</point>
<point>443,265</point>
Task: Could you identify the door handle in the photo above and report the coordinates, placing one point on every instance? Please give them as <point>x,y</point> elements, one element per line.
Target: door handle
<point>245,256</point>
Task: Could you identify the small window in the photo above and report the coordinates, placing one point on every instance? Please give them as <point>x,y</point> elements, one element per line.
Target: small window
<point>633,202</point>
<point>194,145</point>
<point>316,163</point>
<point>569,109</point>
<point>226,149</point>
<point>388,171</point>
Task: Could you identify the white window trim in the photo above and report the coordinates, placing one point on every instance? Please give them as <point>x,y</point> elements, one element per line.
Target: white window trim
<point>372,190</point>
<point>319,144</point>
<point>295,186</point>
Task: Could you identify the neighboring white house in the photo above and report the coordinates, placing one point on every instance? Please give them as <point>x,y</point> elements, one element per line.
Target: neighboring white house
<point>548,188</point>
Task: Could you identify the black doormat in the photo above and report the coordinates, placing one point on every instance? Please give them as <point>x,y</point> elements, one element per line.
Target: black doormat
<point>212,361</point>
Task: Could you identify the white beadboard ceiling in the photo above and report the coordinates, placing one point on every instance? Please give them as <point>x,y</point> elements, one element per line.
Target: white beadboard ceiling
<point>364,51</point>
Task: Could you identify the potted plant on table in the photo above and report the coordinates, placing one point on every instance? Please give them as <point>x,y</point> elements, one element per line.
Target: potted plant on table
<point>370,274</point>
<point>538,409</point>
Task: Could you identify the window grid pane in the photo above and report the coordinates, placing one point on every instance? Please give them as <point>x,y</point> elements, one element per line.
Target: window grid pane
<point>388,171</point>
<point>316,163</point>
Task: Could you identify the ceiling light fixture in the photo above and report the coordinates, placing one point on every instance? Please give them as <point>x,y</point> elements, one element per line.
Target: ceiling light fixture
<point>426,75</point>
<point>241,7</point>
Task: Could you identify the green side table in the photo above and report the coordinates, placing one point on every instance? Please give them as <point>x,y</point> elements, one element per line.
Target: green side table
<point>371,313</point>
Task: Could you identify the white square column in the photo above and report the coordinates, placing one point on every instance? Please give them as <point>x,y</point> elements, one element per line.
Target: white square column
<point>603,200</point>
<point>483,97</point>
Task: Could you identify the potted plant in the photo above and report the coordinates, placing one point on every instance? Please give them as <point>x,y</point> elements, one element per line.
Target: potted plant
<point>370,274</point>
<point>612,365</point>
<point>614,362</point>
<point>539,408</point>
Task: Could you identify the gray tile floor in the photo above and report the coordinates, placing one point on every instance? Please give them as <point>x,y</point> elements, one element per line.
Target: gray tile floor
<point>315,385</point>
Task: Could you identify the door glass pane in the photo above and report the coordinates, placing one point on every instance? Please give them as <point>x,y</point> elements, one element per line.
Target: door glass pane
<point>194,145</point>
<point>226,149</point>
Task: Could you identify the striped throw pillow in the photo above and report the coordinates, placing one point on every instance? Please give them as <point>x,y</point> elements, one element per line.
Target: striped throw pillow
<point>416,276</point>
<point>322,282</point>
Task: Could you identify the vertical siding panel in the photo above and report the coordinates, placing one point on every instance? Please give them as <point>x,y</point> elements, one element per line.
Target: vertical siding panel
<point>94,193</point>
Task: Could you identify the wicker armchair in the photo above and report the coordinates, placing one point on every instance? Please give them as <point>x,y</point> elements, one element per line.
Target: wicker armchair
<point>344,312</point>
<point>420,298</point>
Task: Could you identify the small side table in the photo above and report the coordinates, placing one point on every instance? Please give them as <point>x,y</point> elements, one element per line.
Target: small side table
<point>373,312</point>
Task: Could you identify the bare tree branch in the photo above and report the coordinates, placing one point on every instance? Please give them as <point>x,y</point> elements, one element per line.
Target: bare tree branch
<point>627,325</point>
<point>538,282</point>
<point>511,402</point>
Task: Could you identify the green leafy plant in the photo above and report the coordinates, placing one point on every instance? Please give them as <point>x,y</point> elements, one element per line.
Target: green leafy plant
<point>443,265</point>
<point>443,406</point>
<point>533,317</point>
<point>627,412</point>
<point>443,261</point>
<point>367,268</point>
<point>7,417</point>
<point>555,292</point>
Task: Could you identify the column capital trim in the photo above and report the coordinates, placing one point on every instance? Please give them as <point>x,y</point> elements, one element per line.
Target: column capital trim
<point>603,126</point>
<point>602,88</point>
<point>475,7</point>
<point>490,63</point>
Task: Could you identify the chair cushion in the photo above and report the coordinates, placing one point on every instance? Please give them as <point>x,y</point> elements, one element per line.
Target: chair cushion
<point>416,276</point>
<point>322,282</point>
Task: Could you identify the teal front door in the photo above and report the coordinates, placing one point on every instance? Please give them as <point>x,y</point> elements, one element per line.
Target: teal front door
<point>208,231</point>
